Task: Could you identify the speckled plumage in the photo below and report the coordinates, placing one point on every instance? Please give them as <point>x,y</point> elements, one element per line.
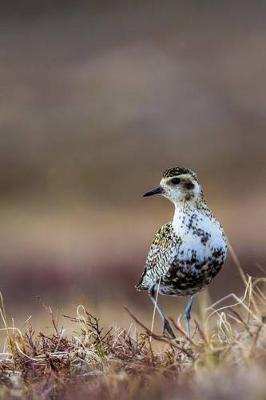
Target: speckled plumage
<point>176,171</point>
<point>188,252</point>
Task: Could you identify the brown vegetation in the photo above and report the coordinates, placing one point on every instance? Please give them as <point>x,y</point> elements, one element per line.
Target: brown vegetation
<point>225,358</point>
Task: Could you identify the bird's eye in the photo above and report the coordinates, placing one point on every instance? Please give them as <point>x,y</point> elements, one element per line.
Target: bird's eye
<point>175,181</point>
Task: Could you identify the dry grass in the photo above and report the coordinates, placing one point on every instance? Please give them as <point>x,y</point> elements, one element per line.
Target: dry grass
<point>225,359</point>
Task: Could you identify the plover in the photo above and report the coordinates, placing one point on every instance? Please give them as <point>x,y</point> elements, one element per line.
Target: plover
<point>188,252</point>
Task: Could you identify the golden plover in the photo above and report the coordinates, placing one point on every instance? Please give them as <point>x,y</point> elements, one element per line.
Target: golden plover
<point>189,251</point>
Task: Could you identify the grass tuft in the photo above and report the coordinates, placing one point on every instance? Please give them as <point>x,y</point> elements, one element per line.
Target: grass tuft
<point>225,358</point>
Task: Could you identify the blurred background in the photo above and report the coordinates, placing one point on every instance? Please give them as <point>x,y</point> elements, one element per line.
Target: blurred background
<point>97,98</point>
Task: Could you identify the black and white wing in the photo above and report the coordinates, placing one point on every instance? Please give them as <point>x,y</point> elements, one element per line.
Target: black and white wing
<point>163,252</point>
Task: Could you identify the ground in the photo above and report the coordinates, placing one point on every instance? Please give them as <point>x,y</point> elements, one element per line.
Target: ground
<point>224,359</point>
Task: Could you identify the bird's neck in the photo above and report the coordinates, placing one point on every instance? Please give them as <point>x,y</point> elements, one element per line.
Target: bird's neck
<point>187,213</point>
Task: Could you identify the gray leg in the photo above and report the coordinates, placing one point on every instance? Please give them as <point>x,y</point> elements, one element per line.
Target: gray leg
<point>187,314</point>
<point>166,326</point>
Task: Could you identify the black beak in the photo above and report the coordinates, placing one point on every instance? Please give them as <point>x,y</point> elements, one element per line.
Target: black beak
<point>158,190</point>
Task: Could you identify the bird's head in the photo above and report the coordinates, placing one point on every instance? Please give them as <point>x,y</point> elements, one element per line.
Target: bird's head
<point>178,185</point>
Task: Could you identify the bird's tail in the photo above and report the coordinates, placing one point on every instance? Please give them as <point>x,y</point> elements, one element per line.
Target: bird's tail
<point>140,286</point>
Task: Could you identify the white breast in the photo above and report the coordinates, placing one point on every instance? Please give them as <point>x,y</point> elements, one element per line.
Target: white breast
<point>200,233</point>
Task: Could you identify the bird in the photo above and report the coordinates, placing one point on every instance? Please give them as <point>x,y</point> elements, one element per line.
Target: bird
<point>186,253</point>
